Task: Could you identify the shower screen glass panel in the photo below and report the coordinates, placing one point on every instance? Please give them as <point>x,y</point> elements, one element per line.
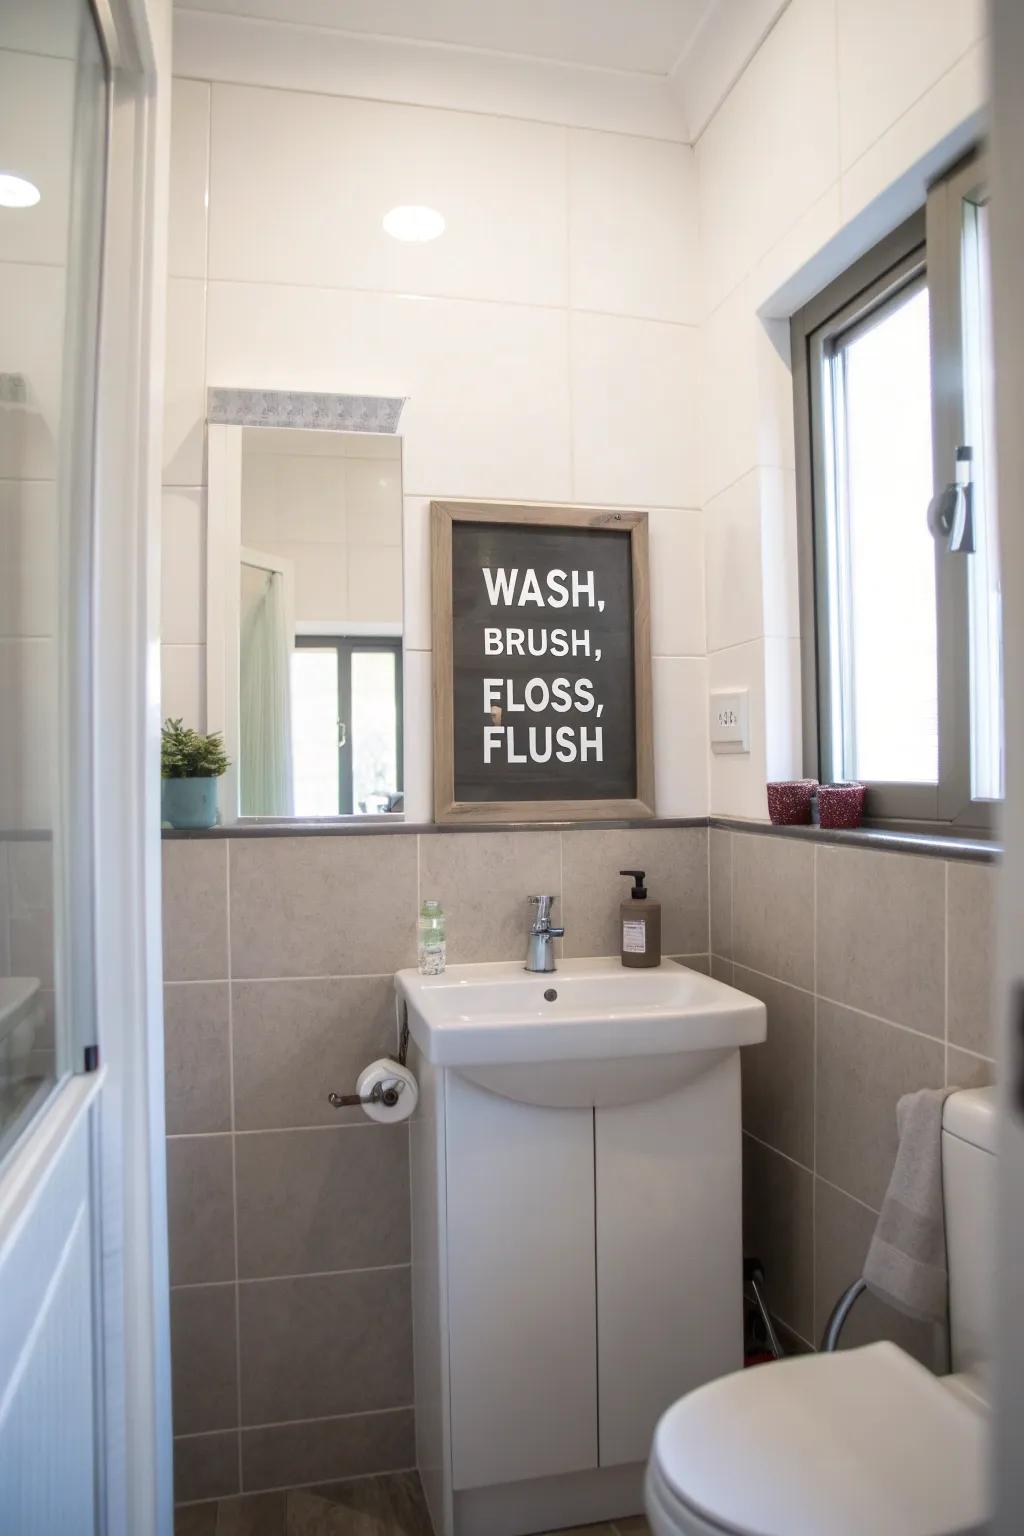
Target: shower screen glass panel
<point>53,116</point>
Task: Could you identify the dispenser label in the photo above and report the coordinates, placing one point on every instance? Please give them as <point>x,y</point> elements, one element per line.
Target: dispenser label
<point>634,937</point>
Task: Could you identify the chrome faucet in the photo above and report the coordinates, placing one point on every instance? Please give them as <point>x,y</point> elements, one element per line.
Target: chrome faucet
<point>540,956</point>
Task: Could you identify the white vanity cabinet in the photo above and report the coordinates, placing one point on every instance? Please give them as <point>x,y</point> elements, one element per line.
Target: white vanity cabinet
<point>575,1270</point>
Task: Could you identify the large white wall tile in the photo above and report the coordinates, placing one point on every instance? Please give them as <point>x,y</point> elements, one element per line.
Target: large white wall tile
<point>32,344</point>
<point>183,567</point>
<point>633,234</point>
<point>300,184</point>
<point>416,601</point>
<point>738,779</point>
<point>680,690</point>
<point>890,53</point>
<point>189,183</point>
<point>733,555</point>
<point>728,393</point>
<point>488,409</point>
<point>780,585</point>
<point>635,406</point>
<point>28,709</point>
<point>783,746</point>
<point>184,386</point>
<point>37,101</point>
<point>183,684</point>
<point>677,583</point>
<point>939,127</point>
<point>28,558</point>
<point>772,149</point>
<point>417,736</point>
<point>373,498</point>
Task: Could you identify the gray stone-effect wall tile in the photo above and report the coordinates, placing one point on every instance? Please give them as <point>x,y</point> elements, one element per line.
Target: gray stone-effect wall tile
<point>972,955</point>
<point>864,1067</point>
<point>200,1209</point>
<point>296,1041</point>
<point>483,881</point>
<point>204,1362</point>
<point>778,1075</point>
<point>966,1071</point>
<point>322,906</point>
<point>720,879</point>
<point>778,1227</point>
<point>289,1455</point>
<point>197,1061</point>
<point>302,409</point>
<point>206,1467</point>
<point>316,1200</point>
<point>195,910</point>
<point>772,907</point>
<point>843,1230</point>
<point>676,861</point>
<point>325,1345</point>
<point>880,927</point>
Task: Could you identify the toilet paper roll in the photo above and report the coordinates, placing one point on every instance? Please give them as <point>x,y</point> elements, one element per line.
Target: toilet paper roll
<point>388,1074</point>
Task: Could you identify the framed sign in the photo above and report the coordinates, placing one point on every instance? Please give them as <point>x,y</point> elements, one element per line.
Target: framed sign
<point>542,663</point>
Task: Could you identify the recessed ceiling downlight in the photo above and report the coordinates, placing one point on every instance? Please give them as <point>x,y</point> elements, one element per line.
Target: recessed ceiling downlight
<point>16,192</point>
<point>414,221</point>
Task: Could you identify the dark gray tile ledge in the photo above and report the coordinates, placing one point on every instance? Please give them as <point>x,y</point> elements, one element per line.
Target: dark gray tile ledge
<point>929,845</point>
<point>388,827</point>
<point>973,850</point>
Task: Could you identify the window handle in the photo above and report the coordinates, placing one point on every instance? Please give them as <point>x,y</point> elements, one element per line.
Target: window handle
<point>342,733</point>
<point>951,512</point>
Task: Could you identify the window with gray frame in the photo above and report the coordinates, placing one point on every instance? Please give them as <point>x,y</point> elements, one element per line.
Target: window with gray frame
<point>899,563</point>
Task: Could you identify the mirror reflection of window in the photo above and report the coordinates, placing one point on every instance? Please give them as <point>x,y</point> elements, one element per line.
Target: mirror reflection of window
<point>320,624</point>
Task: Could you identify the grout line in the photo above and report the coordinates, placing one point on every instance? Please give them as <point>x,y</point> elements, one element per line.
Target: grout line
<point>784,1155</point>
<point>452,298</point>
<point>835,1002</point>
<point>361,1124</point>
<point>945,973</point>
<point>814,1088</point>
<point>327,1418</point>
<point>234,1162</point>
<point>312,1274</point>
<point>292,1487</point>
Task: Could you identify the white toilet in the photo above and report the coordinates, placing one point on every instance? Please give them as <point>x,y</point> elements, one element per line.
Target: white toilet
<point>862,1440</point>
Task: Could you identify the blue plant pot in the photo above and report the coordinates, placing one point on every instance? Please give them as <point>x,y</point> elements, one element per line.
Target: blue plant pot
<point>189,802</point>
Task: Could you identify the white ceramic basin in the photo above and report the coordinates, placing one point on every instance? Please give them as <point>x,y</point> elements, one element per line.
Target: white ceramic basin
<point>591,1032</point>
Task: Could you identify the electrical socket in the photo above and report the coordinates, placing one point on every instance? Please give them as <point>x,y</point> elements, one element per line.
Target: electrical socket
<point>729,721</point>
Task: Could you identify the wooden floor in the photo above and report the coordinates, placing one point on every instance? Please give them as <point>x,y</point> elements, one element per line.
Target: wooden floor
<point>371,1506</point>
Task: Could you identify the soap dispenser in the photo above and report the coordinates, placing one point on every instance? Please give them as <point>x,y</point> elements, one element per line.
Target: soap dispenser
<point>639,924</point>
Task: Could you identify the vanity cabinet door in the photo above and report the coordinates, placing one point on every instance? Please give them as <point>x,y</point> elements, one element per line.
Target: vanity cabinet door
<point>521,1305</point>
<point>669,1252</point>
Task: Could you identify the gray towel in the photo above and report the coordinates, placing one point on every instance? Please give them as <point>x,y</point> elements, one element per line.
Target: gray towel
<point>906,1263</point>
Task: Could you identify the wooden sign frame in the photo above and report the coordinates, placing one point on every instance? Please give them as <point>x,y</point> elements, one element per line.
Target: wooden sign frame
<point>443,517</point>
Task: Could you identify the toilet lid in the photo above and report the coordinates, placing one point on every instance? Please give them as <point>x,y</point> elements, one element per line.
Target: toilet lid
<point>865,1440</point>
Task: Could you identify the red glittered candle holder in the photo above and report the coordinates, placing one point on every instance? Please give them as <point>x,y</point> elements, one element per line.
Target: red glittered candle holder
<point>841,805</point>
<point>789,802</point>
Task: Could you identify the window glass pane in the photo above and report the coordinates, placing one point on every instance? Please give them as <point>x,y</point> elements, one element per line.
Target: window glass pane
<point>882,555</point>
<point>52,157</point>
<point>315,730</point>
<point>983,566</point>
<point>374,731</point>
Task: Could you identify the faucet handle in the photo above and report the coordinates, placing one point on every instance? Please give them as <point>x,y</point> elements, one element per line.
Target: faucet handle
<point>543,905</point>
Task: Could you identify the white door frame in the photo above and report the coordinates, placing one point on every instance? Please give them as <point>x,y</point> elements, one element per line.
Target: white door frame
<point>115,742</point>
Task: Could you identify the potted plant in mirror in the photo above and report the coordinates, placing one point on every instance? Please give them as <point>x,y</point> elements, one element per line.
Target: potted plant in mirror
<point>190,766</point>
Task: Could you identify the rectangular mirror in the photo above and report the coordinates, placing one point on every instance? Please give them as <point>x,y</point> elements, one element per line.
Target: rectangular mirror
<point>304,622</point>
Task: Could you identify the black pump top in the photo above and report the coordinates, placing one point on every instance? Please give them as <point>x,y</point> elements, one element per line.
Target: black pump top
<point>638,876</point>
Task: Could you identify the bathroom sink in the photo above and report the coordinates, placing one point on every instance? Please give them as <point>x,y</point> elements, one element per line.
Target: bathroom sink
<point>591,1032</point>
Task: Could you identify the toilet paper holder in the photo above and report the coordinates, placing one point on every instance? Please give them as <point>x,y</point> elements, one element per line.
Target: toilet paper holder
<point>379,1094</point>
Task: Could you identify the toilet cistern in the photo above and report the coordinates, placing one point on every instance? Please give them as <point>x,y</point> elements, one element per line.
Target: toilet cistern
<point>540,956</point>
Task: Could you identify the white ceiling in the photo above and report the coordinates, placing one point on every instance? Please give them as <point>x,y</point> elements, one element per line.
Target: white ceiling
<point>643,36</point>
